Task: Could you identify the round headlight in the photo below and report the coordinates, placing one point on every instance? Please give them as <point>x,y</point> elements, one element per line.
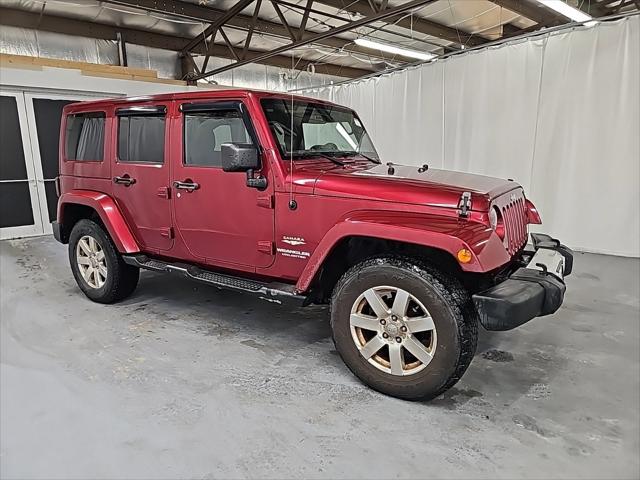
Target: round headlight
<point>496,222</point>
<point>493,218</point>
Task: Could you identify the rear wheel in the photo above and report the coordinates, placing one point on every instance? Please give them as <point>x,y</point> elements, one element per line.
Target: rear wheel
<point>402,327</point>
<point>97,266</point>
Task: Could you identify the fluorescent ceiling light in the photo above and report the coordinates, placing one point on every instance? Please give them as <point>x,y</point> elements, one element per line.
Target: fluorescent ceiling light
<point>405,52</point>
<point>566,10</point>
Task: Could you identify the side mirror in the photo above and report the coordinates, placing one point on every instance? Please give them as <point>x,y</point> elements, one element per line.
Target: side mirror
<point>239,157</point>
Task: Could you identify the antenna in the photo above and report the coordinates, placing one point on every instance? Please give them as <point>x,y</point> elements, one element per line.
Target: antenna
<point>292,202</point>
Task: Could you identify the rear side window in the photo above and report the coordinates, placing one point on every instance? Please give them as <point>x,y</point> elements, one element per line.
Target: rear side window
<point>84,137</point>
<point>141,138</point>
<point>205,132</point>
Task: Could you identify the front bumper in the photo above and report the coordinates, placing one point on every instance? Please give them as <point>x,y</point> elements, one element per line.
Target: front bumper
<point>534,290</point>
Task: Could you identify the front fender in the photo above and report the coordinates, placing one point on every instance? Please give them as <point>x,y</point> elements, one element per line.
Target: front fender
<point>108,212</point>
<point>449,234</point>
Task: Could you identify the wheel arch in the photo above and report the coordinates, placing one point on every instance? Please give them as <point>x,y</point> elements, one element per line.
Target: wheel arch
<point>79,204</point>
<point>432,238</point>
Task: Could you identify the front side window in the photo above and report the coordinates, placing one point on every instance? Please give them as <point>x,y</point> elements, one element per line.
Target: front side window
<point>84,137</point>
<point>205,132</point>
<point>141,138</point>
<point>307,129</point>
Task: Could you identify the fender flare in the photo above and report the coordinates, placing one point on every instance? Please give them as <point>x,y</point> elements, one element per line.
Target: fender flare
<point>108,212</point>
<point>449,234</point>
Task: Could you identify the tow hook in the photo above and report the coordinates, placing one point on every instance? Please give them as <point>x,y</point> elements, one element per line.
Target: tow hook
<point>464,206</point>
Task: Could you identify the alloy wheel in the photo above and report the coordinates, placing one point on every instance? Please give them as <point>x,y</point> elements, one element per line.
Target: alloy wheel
<point>91,261</point>
<point>393,330</point>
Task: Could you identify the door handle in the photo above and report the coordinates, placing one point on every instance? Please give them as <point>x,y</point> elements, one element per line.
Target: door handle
<point>188,185</point>
<point>125,180</point>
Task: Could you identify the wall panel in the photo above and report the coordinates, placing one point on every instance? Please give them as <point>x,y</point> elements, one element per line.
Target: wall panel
<point>491,98</point>
<point>586,169</point>
<point>558,113</point>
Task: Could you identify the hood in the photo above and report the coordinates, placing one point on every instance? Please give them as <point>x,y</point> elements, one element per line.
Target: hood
<point>406,184</point>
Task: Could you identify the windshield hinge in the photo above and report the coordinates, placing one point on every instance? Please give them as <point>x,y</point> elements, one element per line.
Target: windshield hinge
<point>464,207</point>
<point>265,201</point>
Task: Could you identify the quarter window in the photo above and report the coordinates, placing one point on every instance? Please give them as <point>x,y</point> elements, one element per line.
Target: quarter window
<point>205,132</point>
<point>84,137</point>
<point>141,138</point>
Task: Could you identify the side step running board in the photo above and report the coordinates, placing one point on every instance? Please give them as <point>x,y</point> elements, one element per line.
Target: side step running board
<point>271,292</point>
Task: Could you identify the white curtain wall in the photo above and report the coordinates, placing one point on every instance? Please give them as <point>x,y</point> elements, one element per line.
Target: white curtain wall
<point>559,114</point>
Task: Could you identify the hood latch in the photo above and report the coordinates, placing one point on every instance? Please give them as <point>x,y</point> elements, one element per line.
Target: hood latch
<point>464,206</point>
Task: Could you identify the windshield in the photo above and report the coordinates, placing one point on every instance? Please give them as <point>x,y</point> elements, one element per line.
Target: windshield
<point>317,130</point>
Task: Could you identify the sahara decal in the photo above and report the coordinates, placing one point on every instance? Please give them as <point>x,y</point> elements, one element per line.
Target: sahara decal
<point>293,240</point>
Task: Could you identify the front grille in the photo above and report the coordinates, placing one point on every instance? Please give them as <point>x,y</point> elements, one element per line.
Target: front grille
<point>514,214</point>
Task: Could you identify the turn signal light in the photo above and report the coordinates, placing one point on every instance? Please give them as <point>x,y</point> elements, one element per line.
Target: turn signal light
<point>464,255</point>
<point>533,216</point>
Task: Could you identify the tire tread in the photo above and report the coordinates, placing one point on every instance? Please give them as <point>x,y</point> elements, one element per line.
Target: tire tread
<point>124,277</point>
<point>452,293</point>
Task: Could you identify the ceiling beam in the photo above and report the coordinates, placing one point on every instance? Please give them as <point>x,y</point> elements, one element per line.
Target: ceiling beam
<point>227,42</point>
<point>510,30</point>
<point>417,24</point>
<point>192,11</point>
<point>379,16</point>
<point>228,15</point>
<point>611,7</point>
<point>592,7</point>
<point>51,23</point>
<point>396,32</point>
<point>283,20</point>
<point>302,29</point>
<point>543,16</point>
<point>247,41</point>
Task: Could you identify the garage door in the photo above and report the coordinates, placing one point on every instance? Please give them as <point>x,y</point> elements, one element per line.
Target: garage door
<point>29,135</point>
<point>19,203</point>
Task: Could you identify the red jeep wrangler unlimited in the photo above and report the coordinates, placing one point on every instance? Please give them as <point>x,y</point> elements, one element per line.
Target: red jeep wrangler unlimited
<point>286,198</point>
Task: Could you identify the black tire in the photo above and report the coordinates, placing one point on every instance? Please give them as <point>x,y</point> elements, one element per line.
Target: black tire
<point>449,304</point>
<point>121,279</point>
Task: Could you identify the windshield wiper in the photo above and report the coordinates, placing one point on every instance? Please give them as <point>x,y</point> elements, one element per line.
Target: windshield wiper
<point>311,154</point>
<point>354,153</point>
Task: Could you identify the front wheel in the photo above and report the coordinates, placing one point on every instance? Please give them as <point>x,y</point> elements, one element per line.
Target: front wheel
<point>97,266</point>
<point>403,328</point>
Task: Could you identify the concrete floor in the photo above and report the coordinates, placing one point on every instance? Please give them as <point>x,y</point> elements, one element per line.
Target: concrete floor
<point>183,380</point>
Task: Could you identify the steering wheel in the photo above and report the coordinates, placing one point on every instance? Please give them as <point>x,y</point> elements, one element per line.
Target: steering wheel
<point>326,146</point>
